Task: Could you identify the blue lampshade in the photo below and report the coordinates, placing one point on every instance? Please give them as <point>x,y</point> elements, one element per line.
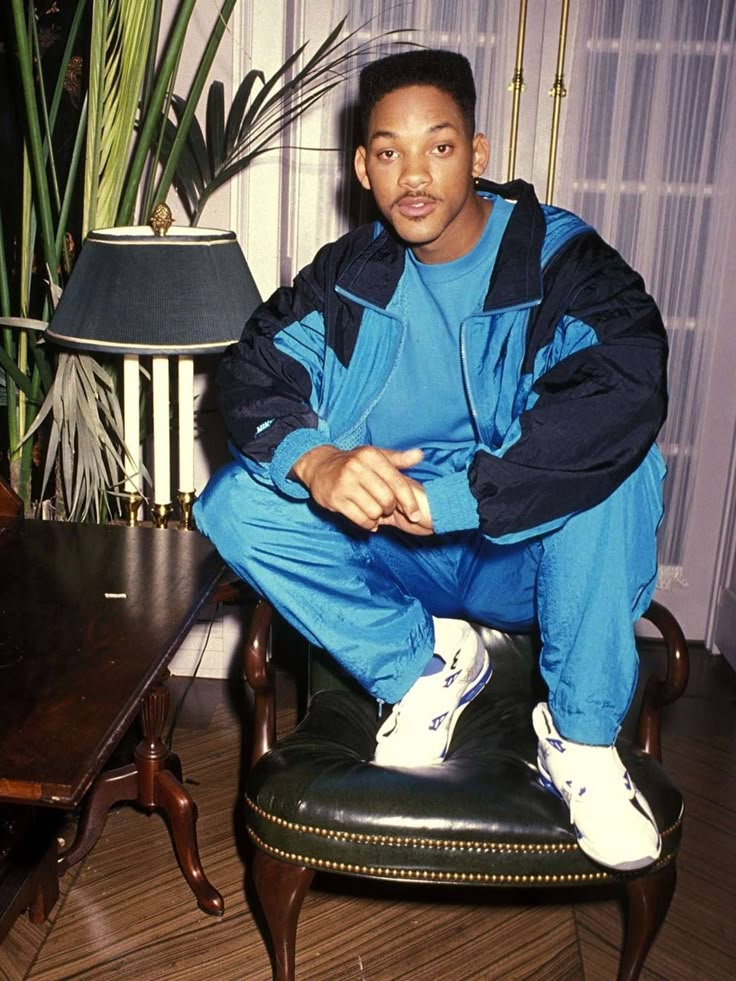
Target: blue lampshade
<point>135,292</point>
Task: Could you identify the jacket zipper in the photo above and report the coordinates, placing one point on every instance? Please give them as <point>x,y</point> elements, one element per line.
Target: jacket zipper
<point>402,324</point>
<point>479,429</point>
<point>466,382</point>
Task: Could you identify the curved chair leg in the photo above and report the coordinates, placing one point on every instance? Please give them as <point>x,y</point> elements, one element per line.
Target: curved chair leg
<point>281,889</point>
<point>649,898</point>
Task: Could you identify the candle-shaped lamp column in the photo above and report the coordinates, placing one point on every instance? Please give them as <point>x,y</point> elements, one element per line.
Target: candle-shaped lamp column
<point>132,431</point>
<point>149,291</point>
<point>162,506</point>
<point>186,440</point>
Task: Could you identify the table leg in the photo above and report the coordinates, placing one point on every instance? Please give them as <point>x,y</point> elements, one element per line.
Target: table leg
<point>113,787</point>
<point>28,879</point>
<point>47,891</point>
<point>160,786</point>
<point>152,782</point>
<point>182,813</point>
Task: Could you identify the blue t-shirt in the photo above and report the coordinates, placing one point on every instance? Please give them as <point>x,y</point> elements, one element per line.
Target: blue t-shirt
<point>424,403</point>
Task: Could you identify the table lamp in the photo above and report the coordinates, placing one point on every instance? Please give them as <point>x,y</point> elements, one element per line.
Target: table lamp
<point>146,291</point>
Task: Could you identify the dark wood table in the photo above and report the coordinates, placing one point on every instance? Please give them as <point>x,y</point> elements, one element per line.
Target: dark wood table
<point>90,616</point>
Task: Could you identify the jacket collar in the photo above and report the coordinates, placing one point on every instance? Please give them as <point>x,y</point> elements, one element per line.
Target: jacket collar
<point>517,275</point>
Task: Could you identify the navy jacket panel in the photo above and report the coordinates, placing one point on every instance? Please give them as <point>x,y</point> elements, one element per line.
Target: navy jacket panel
<point>594,414</point>
<point>265,387</point>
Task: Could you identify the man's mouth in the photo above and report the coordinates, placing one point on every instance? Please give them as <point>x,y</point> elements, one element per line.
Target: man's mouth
<point>416,205</point>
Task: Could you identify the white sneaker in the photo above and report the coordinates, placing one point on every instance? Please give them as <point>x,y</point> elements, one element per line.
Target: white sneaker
<point>613,822</point>
<point>419,729</point>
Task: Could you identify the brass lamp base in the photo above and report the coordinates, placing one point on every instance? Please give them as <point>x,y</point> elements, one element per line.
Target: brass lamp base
<point>160,514</point>
<point>130,509</point>
<point>186,499</point>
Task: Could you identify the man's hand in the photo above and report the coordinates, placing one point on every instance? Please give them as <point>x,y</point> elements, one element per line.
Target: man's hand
<point>366,486</point>
<point>421,525</point>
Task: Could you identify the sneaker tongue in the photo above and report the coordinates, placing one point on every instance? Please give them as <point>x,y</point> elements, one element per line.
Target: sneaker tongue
<point>596,766</point>
<point>606,782</point>
<point>434,667</point>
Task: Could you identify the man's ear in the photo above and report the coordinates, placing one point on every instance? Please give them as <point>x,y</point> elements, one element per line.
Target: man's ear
<point>481,154</point>
<point>360,168</point>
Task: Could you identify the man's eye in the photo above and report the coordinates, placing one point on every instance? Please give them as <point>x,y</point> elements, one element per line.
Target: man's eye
<point>387,154</point>
<point>443,148</point>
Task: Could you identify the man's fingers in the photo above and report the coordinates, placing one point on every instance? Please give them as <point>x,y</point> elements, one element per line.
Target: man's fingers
<point>406,500</point>
<point>371,483</point>
<point>370,471</point>
<point>365,484</point>
<point>388,465</point>
<point>403,459</point>
<point>400,521</point>
<point>357,516</point>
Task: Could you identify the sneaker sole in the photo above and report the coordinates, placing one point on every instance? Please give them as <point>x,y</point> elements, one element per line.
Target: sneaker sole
<point>545,781</point>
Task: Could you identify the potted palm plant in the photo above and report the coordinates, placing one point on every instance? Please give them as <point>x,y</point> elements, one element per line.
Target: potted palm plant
<point>133,137</point>
<point>127,85</point>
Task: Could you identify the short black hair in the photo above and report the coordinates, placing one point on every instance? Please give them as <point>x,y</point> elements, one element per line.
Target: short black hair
<point>445,70</point>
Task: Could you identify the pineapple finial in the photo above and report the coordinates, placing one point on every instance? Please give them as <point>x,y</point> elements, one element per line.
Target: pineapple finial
<point>161,219</point>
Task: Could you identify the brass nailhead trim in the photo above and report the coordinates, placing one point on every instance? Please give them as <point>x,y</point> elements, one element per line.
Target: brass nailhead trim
<point>462,877</point>
<point>396,841</point>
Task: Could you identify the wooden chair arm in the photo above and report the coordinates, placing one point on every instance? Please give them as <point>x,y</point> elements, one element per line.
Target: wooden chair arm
<point>256,661</point>
<point>659,692</point>
<point>260,676</point>
<point>233,591</point>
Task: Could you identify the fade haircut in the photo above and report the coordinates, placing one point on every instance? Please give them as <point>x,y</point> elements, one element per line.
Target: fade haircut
<point>445,70</point>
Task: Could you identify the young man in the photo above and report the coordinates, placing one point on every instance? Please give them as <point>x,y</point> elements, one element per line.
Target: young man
<point>450,417</point>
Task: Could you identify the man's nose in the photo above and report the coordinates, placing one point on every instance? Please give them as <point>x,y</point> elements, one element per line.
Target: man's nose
<point>415,173</point>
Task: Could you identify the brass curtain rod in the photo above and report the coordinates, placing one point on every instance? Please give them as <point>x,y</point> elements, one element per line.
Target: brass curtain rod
<point>558,92</point>
<point>517,87</point>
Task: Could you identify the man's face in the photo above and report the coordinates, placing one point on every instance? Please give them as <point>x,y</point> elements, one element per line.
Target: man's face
<point>419,161</point>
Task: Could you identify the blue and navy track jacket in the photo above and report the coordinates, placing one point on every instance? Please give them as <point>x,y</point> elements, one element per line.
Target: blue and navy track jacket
<point>564,367</point>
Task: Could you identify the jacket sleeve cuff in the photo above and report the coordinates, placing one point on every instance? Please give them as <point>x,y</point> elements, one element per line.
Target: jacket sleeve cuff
<point>296,444</point>
<point>451,504</point>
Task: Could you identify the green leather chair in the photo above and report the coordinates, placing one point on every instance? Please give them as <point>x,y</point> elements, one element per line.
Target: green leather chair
<point>316,802</point>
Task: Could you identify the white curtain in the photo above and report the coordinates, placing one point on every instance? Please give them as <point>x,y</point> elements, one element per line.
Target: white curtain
<point>484,32</point>
<point>650,121</point>
<point>647,129</point>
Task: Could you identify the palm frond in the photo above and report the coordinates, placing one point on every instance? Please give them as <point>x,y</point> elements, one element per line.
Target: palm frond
<point>118,56</point>
<point>216,126</point>
<point>86,434</point>
<point>238,105</point>
<point>131,124</point>
<point>196,142</point>
<point>270,84</point>
<point>25,62</point>
<point>150,124</point>
<point>195,91</point>
<point>264,109</point>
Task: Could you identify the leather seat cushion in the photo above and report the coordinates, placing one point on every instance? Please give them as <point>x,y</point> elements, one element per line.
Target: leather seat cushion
<point>481,816</point>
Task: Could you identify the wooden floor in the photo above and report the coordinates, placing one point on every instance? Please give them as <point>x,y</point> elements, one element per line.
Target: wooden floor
<point>126,912</point>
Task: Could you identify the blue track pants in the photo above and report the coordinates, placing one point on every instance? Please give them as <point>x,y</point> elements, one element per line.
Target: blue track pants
<point>368,599</point>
